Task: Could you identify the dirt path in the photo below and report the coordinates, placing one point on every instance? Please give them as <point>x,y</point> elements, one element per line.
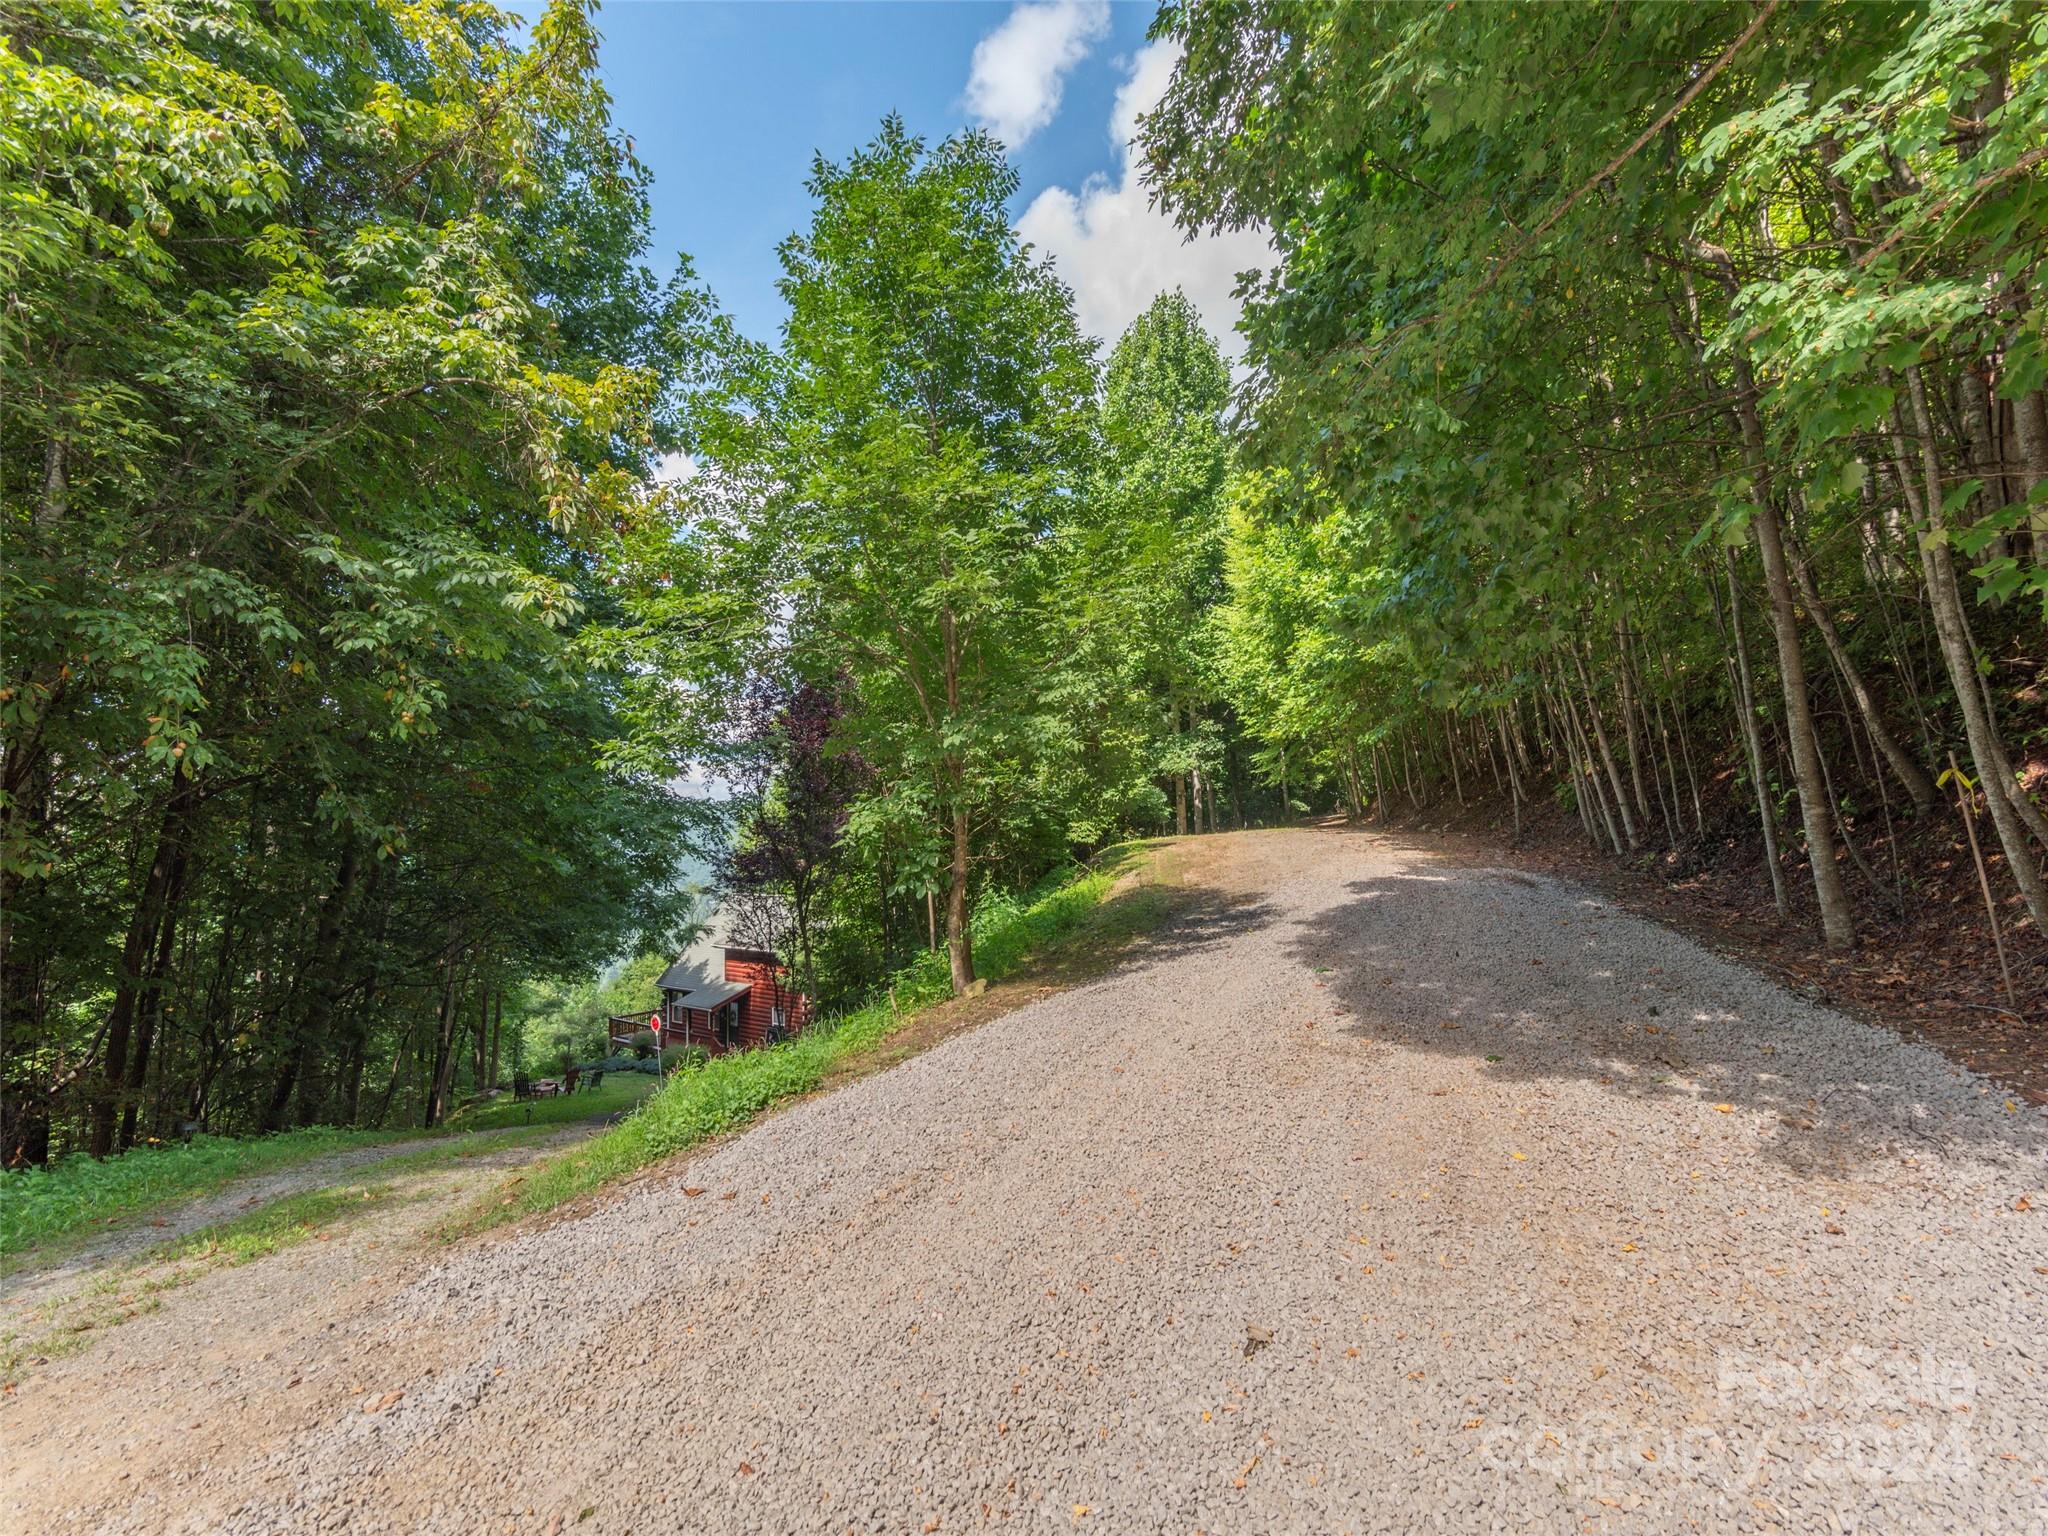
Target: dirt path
<point>1374,1193</point>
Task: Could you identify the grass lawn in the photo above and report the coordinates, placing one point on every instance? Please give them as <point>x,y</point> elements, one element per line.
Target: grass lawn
<point>1067,913</point>
<point>619,1090</point>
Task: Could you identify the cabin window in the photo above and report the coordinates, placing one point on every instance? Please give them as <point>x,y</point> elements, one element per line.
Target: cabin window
<point>778,1017</point>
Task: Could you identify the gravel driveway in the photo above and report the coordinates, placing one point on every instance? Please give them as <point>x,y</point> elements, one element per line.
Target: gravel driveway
<point>1374,1194</point>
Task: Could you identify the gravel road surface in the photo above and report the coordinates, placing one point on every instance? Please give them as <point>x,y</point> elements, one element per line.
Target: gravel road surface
<point>1374,1193</point>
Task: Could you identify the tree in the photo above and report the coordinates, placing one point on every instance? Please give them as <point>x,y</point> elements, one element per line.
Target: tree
<point>901,469</point>
<point>792,791</point>
<point>328,379</point>
<point>1152,554</point>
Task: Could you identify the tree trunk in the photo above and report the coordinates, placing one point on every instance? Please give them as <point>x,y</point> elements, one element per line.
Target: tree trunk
<point>1628,825</point>
<point>1838,928</point>
<point>497,1030</point>
<point>136,952</point>
<point>1910,774</point>
<point>150,1007</point>
<point>1952,629</point>
<point>447,1022</point>
<point>959,942</point>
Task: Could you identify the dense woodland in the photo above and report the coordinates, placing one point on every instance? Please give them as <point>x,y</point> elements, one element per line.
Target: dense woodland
<point>1642,414</point>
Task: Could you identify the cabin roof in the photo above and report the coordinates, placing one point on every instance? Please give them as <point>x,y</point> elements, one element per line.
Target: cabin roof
<point>694,987</point>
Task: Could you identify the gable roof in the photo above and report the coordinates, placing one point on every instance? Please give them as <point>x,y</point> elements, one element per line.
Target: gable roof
<point>697,988</point>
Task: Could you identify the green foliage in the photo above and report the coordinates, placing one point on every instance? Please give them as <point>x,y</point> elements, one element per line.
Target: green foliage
<point>621,1089</point>
<point>1573,307</point>
<point>329,378</point>
<point>683,1058</point>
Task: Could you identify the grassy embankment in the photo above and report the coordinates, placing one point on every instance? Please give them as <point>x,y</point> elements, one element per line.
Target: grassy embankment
<point>1069,911</point>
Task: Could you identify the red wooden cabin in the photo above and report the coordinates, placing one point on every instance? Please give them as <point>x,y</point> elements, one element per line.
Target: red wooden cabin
<point>751,1002</point>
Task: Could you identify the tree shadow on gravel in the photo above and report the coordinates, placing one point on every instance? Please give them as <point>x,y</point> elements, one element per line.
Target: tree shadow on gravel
<point>1533,981</point>
<point>1149,925</point>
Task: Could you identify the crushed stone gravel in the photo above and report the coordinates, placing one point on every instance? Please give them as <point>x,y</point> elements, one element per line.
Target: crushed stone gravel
<point>1380,1194</point>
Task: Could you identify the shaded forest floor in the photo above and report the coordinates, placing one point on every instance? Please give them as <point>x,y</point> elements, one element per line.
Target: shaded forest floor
<point>1924,963</point>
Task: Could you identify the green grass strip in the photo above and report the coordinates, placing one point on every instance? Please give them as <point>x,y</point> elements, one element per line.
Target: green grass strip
<point>41,1205</point>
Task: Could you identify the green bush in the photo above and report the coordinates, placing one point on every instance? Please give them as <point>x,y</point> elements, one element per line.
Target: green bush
<point>642,1044</point>
<point>684,1058</point>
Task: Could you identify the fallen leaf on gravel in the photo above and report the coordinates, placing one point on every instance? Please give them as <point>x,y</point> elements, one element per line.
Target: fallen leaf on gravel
<point>2023,1204</point>
<point>745,1470</point>
<point>693,1191</point>
<point>1520,1157</point>
<point>1080,1511</point>
<point>1474,1423</point>
<point>1628,1247</point>
<point>1649,1455</point>
<point>1724,1109</point>
<point>378,1405</point>
<point>730,1194</point>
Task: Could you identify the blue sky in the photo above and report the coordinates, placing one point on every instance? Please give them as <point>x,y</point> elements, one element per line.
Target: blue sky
<point>728,102</point>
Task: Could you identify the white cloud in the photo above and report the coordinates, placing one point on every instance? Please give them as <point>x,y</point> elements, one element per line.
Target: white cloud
<point>1019,70</point>
<point>674,469</point>
<point>1117,252</point>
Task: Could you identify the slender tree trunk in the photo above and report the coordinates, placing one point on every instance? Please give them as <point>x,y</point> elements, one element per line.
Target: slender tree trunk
<point>1951,626</point>
<point>448,1021</point>
<point>1592,775</point>
<point>959,942</point>
<point>1623,673</point>
<point>150,1004</point>
<point>1909,773</point>
<point>1752,738</point>
<point>497,1030</point>
<point>1628,825</point>
<point>131,983</point>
